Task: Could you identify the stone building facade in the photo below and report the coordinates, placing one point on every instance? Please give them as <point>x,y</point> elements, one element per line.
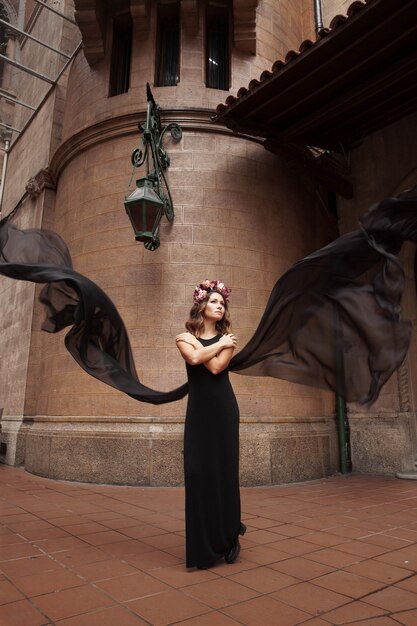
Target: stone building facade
<point>241,215</point>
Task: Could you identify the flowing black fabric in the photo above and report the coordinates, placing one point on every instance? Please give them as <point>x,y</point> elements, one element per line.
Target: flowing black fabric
<point>332,321</point>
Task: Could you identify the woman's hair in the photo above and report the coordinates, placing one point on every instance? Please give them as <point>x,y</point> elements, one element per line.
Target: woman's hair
<point>195,323</point>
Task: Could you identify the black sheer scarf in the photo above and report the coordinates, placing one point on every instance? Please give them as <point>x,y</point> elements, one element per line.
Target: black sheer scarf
<point>332,321</point>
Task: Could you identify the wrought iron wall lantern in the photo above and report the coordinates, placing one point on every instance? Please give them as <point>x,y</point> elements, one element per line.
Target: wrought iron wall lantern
<point>151,199</point>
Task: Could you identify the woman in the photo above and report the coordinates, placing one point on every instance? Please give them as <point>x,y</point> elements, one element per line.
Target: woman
<point>211,440</point>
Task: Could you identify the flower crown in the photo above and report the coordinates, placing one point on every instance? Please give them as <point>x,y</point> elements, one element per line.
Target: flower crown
<point>203,289</point>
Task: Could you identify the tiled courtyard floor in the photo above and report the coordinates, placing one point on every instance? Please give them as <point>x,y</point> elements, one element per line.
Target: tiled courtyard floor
<point>341,550</point>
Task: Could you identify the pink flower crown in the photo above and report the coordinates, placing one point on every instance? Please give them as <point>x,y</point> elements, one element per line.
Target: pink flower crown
<point>203,289</point>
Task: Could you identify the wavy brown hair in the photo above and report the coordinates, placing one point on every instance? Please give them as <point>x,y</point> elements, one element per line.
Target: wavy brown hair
<point>195,323</point>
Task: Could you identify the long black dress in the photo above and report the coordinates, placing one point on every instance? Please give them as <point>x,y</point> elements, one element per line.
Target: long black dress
<point>211,464</point>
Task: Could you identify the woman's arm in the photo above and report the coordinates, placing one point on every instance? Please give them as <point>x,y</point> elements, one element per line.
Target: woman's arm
<point>219,362</point>
<point>195,354</point>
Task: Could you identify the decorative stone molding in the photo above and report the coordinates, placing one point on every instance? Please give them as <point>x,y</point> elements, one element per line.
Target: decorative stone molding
<point>189,16</point>
<point>90,16</point>
<point>244,24</point>
<point>38,183</point>
<point>189,120</point>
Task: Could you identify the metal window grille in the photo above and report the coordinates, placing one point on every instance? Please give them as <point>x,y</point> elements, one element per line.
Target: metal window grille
<point>168,45</point>
<point>217,48</point>
<point>121,55</point>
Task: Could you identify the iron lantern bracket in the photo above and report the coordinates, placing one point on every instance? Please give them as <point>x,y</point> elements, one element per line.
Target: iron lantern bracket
<point>153,155</point>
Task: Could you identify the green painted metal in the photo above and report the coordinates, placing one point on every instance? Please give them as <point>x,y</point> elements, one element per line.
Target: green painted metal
<point>152,195</point>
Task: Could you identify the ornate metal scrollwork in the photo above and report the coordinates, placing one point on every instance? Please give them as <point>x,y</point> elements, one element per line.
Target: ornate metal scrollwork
<point>153,155</point>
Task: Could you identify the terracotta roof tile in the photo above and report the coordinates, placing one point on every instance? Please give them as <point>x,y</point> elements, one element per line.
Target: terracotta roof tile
<point>338,21</point>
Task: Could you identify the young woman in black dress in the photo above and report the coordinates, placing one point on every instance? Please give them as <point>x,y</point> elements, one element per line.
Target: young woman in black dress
<point>211,438</point>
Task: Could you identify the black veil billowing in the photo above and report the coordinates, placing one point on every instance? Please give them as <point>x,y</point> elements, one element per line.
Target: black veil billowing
<point>332,321</point>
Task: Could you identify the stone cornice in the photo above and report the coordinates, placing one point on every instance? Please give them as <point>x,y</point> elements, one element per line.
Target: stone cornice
<point>189,119</point>
<point>90,16</point>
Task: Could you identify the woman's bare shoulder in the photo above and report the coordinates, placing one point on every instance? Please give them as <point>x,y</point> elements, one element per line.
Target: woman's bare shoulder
<point>187,338</point>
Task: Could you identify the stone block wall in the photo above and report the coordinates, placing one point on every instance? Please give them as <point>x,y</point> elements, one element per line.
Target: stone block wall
<point>241,216</point>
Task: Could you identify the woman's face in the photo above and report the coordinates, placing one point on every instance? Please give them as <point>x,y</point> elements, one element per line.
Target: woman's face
<point>215,307</point>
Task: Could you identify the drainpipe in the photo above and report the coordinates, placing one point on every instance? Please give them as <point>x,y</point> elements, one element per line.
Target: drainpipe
<point>3,173</point>
<point>343,432</point>
<point>318,17</point>
<point>342,420</point>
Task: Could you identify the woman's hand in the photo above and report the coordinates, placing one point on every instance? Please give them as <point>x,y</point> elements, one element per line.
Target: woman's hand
<point>228,341</point>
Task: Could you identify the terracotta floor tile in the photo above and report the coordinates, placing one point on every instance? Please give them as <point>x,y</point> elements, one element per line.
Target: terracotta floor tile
<point>167,608</point>
<point>21,613</point>
<point>61,520</point>
<point>387,541</point>
<point>291,530</point>
<point>8,538</point>
<point>409,583</point>
<point>127,548</point>
<point>132,586</point>
<point>9,593</point>
<point>214,618</point>
<point>353,612</point>
<point>301,569</point>
<point>70,602</point>
<point>104,570</point>
<point>17,551</point>
<point>111,616</point>
<point>295,546</point>
<point>29,565</point>
<point>378,621</point>
<point>264,555</point>
<point>44,533</point>
<point>310,598</point>
<point>50,546</point>
<point>376,570</point>
<point>409,618</point>
<point>168,540</point>
<point>261,536</point>
<point>146,530</point>
<point>324,539</point>
<point>152,560</point>
<point>83,528</point>
<point>401,558</point>
<point>393,599</point>
<point>240,565</point>
<point>178,576</point>
<point>119,523</point>
<point>361,548</point>
<point>264,579</point>
<point>403,533</point>
<point>315,621</point>
<point>105,537</point>
<point>262,523</point>
<point>173,525</point>
<point>48,582</point>
<point>348,532</point>
<point>220,592</point>
<point>334,558</point>
<point>349,584</point>
<point>265,611</point>
<point>80,555</point>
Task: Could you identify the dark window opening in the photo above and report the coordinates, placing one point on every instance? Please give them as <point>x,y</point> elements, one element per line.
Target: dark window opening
<point>168,45</point>
<point>121,55</point>
<point>217,47</point>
